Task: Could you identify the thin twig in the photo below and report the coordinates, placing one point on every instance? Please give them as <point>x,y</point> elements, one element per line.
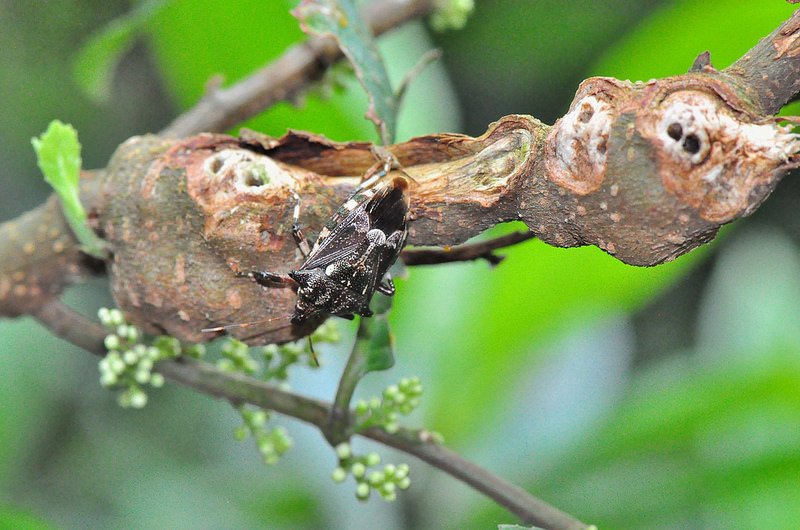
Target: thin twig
<point>337,427</point>
<point>223,108</point>
<point>201,376</point>
<point>470,251</point>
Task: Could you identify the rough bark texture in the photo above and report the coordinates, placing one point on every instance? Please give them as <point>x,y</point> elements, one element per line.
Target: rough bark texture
<point>645,171</point>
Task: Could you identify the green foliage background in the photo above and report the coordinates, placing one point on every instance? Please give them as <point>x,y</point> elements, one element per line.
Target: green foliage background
<point>632,398</point>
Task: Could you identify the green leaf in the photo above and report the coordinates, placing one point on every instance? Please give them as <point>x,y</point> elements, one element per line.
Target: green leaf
<point>374,340</point>
<point>94,65</point>
<point>59,157</point>
<point>342,20</point>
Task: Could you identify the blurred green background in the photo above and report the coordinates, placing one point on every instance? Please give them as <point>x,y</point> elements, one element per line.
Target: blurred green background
<point>631,398</point>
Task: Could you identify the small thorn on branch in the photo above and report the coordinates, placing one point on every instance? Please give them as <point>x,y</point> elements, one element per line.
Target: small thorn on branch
<point>703,62</point>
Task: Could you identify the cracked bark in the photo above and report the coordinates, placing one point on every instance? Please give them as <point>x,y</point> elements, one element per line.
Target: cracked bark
<point>645,171</point>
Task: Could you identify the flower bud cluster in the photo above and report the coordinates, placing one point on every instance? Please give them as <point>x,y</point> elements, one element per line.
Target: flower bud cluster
<point>271,443</point>
<point>400,399</point>
<point>386,482</point>
<point>276,360</point>
<point>129,363</point>
<point>236,358</point>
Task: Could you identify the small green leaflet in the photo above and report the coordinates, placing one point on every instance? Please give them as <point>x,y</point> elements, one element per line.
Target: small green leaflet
<point>342,20</point>
<point>58,154</point>
<point>374,341</point>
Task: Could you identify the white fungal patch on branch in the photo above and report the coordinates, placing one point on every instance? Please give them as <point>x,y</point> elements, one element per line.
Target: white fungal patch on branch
<point>249,172</point>
<point>689,126</point>
<point>716,160</point>
<point>577,146</point>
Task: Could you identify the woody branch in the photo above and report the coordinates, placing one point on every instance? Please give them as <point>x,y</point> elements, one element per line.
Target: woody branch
<point>645,171</point>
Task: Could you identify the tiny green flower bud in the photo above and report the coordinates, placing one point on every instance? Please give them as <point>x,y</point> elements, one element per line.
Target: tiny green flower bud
<point>372,459</point>
<point>140,350</point>
<point>358,469</point>
<point>138,399</point>
<point>389,497</point>
<point>361,407</point>
<point>116,364</point>
<point>134,333</point>
<point>376,478</point>
<point>129,357</point>
<point>391,392</point>
<point>196,350</point>
<point>375,403</point>
<point>142,376</point>
<point>402,471</point>
<point>258,418</point>
<point>115,317</point>
<point>108,378</point>
<point>157,380</point>
<point>343,451</point>
<point>103,315</point>
<point>339,475</point>
<point>145,364</point>
<point>111,342</point>
<point>404,483</point>
<point>122,331</point>
<point>362,491</point>
<point>266,446</point>
<point>392,427</point>
<point>389,470</point>
<point>387,488</point>
<point>225,365</point>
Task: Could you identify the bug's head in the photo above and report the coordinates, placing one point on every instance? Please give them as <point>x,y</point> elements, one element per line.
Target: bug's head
<point>308,285</point>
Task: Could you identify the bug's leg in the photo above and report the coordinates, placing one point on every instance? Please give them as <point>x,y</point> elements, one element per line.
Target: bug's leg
<point>268,279</point>
<point>297,232</point>
<point>386,287</point>
<point>386,162</point>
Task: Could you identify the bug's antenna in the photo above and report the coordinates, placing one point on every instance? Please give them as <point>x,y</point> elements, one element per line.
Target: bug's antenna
<point>313,353</point>
<point>247,324</point>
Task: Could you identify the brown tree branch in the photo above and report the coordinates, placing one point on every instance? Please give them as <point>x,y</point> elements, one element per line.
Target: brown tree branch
<point>283,78</point>
<point>467,252</point>
<point>619,171</point>
<point>769,73</point>
<point>77,329</point>
<point>624,170</point>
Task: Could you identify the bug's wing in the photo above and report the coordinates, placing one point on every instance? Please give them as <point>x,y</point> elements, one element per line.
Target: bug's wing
<point>343,239</point>
<point>389,213</point>
<point>388,210</point>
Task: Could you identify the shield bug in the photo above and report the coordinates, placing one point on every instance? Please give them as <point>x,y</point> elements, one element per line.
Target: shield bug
<point>352,255</point>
